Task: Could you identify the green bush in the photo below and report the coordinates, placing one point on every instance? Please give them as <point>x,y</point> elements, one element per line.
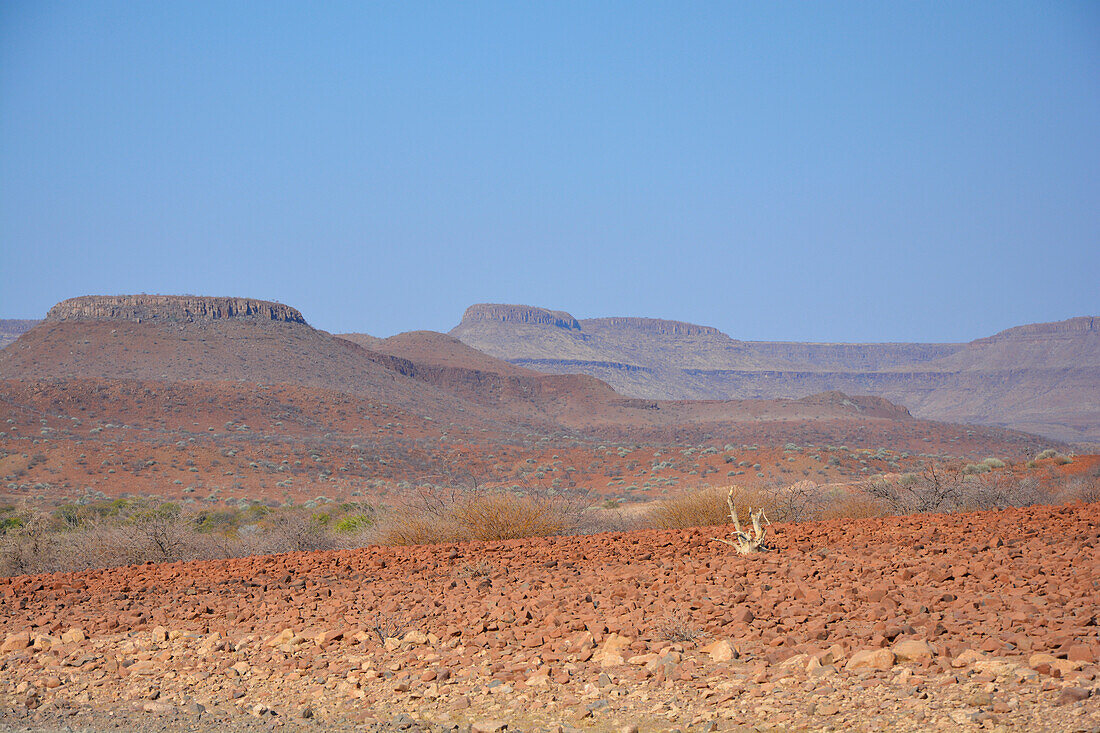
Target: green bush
<point>353,523</point>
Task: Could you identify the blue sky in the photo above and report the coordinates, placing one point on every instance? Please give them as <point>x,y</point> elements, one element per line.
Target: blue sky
<point>783,171</point>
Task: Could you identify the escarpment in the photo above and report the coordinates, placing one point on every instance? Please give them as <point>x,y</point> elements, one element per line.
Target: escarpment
<point>169,308</point>
<point>525,314</point>
<point>652,326</point>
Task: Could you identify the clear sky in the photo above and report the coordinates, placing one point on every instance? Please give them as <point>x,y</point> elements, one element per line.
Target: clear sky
<point>878,171</point>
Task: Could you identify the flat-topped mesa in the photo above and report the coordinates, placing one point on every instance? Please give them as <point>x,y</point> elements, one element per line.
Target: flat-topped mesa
<point>657,326</point>
<point>170,309</point>
<point>1071,327</point>
<point>520,314</point>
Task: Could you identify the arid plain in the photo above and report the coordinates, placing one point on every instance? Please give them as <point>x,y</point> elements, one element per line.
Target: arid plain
<point>214,517</point>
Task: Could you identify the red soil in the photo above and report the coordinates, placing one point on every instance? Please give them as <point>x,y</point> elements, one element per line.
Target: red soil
<point>538,630</point>
<point>63,440</point>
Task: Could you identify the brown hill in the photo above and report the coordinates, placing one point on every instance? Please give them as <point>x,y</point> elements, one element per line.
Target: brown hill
<point>116,384</point>
<point>1043,378</point>
<point>190,338</point>
<point>437,349</point>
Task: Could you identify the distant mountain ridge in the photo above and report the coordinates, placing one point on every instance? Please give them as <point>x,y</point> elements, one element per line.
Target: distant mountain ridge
<point>1042,378</point>
<point>188,340</point>
<point>13,328</point>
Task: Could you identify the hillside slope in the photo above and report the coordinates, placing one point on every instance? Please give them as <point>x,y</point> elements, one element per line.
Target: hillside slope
<point>188,338</point>
<point>1041,378</point>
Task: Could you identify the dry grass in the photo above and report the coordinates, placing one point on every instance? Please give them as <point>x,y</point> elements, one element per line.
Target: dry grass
<point>675,628</point>
<point>853,506</point>
<point>706,507</point>
<point>478,516</point>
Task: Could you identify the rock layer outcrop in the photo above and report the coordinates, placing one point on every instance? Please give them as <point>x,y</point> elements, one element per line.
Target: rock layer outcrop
<point>501,313</point>
<point>170,308</point>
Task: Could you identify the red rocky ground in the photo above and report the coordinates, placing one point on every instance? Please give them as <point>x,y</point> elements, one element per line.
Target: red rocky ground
<point>983,620</point>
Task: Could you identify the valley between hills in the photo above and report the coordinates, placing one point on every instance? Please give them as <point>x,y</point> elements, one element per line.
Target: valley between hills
<point>217,517</point>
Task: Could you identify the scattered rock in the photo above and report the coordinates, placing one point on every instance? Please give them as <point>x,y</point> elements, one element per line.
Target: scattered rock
<point>16,642</point>
<point>881,659</point>
<point>1071,695</point>
<point>610,652</point>
<point>913,651</point>
<point>720,651</point>
<point>488,726</point>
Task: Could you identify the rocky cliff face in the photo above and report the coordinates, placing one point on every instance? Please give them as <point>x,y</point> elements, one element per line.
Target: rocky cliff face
<point>524,314</point>
<point>169,308</point>
<point>1069,328</point>
<point>652,326</point>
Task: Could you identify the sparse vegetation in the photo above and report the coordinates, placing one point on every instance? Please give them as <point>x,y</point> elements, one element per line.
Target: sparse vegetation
<point>677,629</point>
<point>435,516</point>
<point>132,531</point>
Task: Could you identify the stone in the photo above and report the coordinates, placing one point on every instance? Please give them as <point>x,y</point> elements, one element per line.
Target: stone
<point>1064,666</point>
<point>16,642</point>
<point>541,678</point>
<point>73,636</point>
<point>283,637</point>
<point>880,659</point>
<point>611,652</point>
<point>980,699</point>
<point>742,615</point>
<point>832,656</point>
<point>160,634</point>
<point>327,637</point>
<point>144,668</point>
<point>488,726</point>
<point>416,638</point>
<point>912,650</point>
<point>720,651</point>
<point>967,657</point>
<point>1071,695</point>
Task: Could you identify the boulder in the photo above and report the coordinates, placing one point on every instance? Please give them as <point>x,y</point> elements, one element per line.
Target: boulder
<point>880,659</point>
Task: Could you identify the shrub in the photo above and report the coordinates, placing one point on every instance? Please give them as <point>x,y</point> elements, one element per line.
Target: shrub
<point>854,506</point>
<point>458,515</point>
<point>704,508</point>
<point>353,523</point>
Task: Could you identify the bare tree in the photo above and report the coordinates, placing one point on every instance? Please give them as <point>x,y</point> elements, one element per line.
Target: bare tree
<point>742,541</point>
